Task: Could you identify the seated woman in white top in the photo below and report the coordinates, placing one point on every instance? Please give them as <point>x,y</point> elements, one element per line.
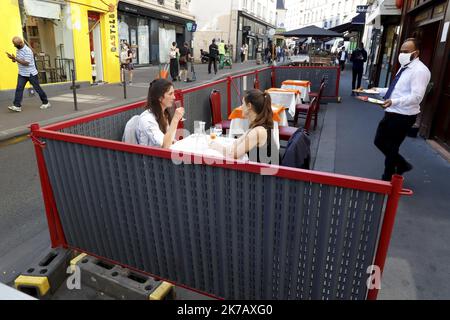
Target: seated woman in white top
<point>258,142</point>
<point>156,127</point>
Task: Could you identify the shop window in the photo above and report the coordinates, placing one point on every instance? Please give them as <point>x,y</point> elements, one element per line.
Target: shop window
<point>52,44</point>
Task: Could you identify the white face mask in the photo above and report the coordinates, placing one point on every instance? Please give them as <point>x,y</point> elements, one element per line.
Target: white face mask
<point>405,58</point>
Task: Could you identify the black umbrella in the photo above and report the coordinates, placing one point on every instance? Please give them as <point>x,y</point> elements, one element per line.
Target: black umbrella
<point>312,31</point>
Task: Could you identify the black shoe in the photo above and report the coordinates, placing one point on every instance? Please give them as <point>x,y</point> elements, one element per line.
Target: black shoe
<point>407,167</point>
<point>353,94</point>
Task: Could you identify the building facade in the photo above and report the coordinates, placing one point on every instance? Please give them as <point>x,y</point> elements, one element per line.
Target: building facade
<point>429,21</point>
<point>150,27</point>
<point>381,39</point>
<point>237,22</point>
<point>322,13</point>
<point>63,35</point>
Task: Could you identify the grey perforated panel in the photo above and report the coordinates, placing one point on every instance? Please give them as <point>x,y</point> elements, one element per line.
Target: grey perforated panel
<point>197,105</point>
<point>265,79</point>
<point>314,75</point>
<point>234,234</point>
<point>110,127</point>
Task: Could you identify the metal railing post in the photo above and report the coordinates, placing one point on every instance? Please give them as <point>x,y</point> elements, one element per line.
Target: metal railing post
<point>124,83</point>
<point>74,90</point>
<point>386,229</point>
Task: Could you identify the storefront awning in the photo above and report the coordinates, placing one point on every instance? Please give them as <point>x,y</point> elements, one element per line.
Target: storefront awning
<point>42,9</point>
<point>357,24</point>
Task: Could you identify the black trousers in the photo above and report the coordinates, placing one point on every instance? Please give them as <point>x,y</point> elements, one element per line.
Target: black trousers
<point>212,61</point>
<point>357,73</point>
<point>391,132</point>
<point>174,69</point>
<point>342,64</point>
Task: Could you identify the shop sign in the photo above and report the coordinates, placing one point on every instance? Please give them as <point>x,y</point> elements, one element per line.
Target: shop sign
<point>41,9</point>
<point>191,26</point>
<point>361,9</point>
<point>112,30</point>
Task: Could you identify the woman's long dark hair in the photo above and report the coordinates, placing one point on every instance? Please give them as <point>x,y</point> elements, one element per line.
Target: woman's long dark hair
<point>262,105</point>
<point>158,88</point>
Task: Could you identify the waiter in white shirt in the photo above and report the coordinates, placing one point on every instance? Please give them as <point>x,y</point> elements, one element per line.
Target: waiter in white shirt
<point>402,104</point>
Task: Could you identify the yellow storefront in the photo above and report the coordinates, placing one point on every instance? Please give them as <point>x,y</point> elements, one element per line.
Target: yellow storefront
<point>83,31</point>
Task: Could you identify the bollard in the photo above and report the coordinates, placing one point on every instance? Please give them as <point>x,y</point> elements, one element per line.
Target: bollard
<point>74,88</point>
<point>124,84</point>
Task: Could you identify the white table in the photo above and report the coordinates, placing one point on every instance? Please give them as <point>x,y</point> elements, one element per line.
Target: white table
<point>198,144</point>
<point>286,99</point>
<point>304,91</point>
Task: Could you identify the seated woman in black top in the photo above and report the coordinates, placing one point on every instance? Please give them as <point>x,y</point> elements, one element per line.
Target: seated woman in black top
<point>258,141</point>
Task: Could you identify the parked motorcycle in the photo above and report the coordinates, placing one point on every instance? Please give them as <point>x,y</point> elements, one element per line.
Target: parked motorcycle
<point>204,56</point>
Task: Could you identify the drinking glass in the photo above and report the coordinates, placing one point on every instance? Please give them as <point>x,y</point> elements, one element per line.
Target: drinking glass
<point>177,104</point>
<point>218,129</point>
<point>212,133</point>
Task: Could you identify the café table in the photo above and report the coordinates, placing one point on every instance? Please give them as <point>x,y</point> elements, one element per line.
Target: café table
<point>288,98</point>
<point>303,86</point>
<point>199,144</point>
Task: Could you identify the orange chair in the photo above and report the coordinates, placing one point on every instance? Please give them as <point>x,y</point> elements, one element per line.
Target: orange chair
<point>216,111</point>
<point>303,108</point>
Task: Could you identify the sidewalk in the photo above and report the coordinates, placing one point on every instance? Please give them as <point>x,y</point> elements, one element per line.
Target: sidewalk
<point>97,98</point>
<point>418,264</point>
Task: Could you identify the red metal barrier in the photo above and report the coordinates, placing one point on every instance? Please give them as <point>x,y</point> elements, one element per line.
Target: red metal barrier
<point>393,189</point>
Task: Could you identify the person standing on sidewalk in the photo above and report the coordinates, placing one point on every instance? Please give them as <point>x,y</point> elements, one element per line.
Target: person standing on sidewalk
<point>174,53</point>
<point>402,105</point>
<point>342,58</point>
<point>222,51</point>
<point>213,54</point>
<point>358,57</point>
<point>126,61</point>
<point>27,73</point>
<point>185,56</point>
<point>242,54</point>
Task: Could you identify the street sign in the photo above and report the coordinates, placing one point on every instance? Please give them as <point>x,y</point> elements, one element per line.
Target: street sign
<point>191,26</point>
<point>362,9</point>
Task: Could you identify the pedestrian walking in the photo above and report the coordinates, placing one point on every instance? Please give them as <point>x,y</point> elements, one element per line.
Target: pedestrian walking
<point>174,54</point>
<point>213,54</point>
<point>343,58</point>
<point>402,105</point>
<point>27,73</point>
<point>222,51</point>
<point>246,51</point>
<point>126,62</point>
<point>358,58</point>
<point>242,53</point>
<point>185,57</point>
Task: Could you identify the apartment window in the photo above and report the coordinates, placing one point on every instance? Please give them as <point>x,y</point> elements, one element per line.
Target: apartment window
<point>177,4</point>
<point>252,7</point>
<point>259,10</point>
<point>161,2</point>
<point>244,4</point>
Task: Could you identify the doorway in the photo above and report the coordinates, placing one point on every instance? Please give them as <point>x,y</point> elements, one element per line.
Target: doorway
<point>95,44</point>
<point>442,116</point>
